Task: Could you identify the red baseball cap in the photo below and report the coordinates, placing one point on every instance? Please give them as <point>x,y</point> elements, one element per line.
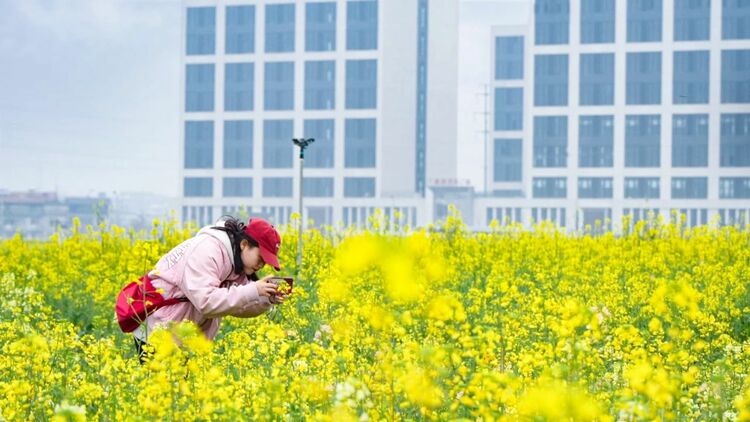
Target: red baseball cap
<point>268,239</point>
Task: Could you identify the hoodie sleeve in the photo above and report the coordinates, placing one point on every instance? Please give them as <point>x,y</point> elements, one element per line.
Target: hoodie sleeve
<point>264,302</point>
<point>201,283</point>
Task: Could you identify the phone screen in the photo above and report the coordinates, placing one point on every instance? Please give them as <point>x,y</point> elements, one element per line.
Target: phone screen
<point>289,281</point>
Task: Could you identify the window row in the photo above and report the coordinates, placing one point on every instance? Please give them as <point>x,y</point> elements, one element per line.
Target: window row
<point>692,21</point>
<point>641,187</point>
<point>642,143</point>
<point>280,26</point>
<point>691,217</point>
<point>278,86</point>
<point>643,79</point>
<point>277,148</point>
<point>278,187</point>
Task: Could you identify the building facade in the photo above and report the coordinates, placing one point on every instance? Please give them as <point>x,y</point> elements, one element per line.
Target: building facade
<point>374,82</point>
<point>605,108</point>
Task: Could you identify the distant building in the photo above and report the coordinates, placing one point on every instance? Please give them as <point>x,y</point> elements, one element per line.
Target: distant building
<point>607,108</point>
<point>35,214</point>
<point>39,214</point>
<point>374,82</point>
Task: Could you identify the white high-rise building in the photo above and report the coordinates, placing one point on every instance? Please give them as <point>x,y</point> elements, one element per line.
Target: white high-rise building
<point>374,82</point>
<point>604,108</point>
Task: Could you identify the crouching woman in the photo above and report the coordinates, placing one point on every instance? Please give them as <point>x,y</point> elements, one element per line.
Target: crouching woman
<point>215,274</point>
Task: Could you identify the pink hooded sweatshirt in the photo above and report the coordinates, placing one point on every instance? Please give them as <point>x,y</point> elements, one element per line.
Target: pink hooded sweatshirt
<point>201,269</point>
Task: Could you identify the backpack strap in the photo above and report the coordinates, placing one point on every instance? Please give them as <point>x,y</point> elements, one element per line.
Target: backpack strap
<point>173,301</point>
<point>167,302</point>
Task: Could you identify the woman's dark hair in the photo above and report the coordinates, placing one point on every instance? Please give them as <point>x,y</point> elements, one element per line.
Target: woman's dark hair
<point>236,231</point>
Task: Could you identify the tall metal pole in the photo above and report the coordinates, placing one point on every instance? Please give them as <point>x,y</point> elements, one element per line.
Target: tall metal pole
<point>485,134</point>
<point>486,141</point>
<point>301,220</point>
<point>302,143</point>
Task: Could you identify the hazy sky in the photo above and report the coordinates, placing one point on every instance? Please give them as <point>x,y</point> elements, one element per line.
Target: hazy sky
<point>89,92</point>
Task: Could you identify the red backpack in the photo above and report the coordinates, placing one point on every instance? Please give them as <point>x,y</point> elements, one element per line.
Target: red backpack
<point>137,301</point>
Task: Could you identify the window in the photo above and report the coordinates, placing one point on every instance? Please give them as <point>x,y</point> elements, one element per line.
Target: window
<point>199,215</point>
<point>238,187</point>
<point>320,26</point>
<point>734,217</point>
<point>321,154</point>
<point>644,20</point>
<point>595,187</point>
<point>689,187</point>
<point>320,82</point>
<point>690,140</point>
<point>279,86</point>
<point>642,188</point>
<point>508,108</point>
<point>690,77</point>
<point>359,143</point>
<point>361,84</point>
<point>361,25</point>
<point>643,78</point>
<point>555,215</point>
<point>693,216</point>
<point>735,20</point>
<point>238,86</point>
<point>597,216</point>
<point>734,188</point>
<point>692,20</point>
<point>597,21</point>
<point>551,21</point>
<point>597,79</point>
<point>240,29</point>
<point>201,30</point>
<point>735,76</point>
<point>595,141</point>
<point>503,215</point>
<point>238,144</point>
<point>277,144</point>
<point>735,140</point>
<point>199,144</point>
<point>199,87</point>
<point>359,187</point>
<point>321,216</point>
<point>198,187</point>
<point>551,80</point>
<point>280,28</point>
<point>550,187</point>
<point>641,214</point>
<point>318,187</point>
<point>507,164</point>
<point>642,141</point>
<point>277,187</point>
<point>550,141</point>
<point>508,58</point>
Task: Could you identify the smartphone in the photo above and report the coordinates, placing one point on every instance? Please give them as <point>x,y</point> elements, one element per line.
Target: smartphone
<point>288,280</point>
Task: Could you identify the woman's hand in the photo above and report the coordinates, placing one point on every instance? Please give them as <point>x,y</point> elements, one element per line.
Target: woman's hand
<point>269,290</point>
<point>277,299</point>
<point>265,288</point>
